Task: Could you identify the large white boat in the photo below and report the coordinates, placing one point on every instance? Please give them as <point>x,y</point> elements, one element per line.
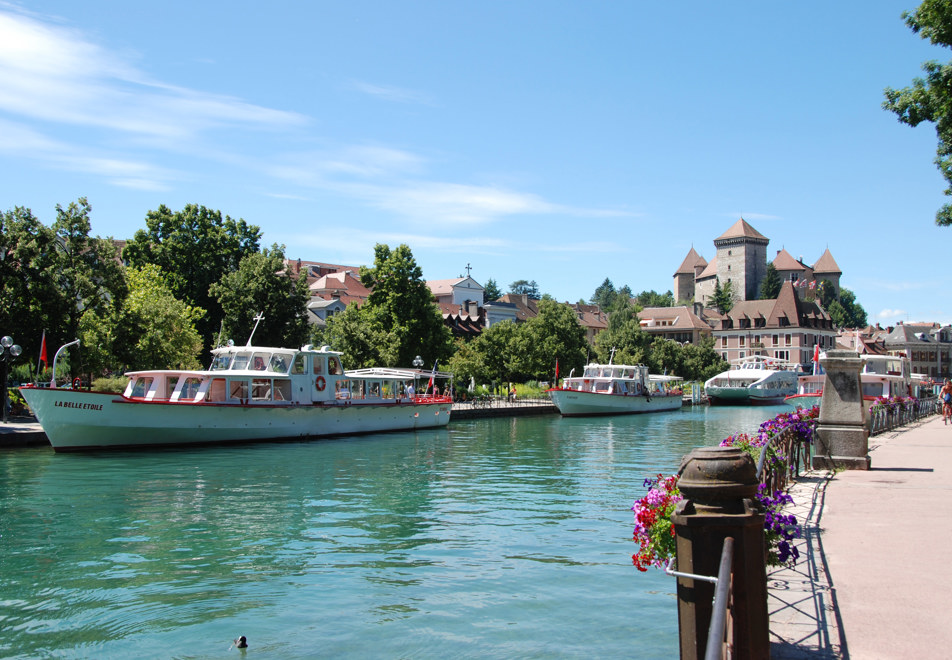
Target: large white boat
<point>616,389</point>
<point>248,394</point>
<point>882,376</point>
<point>753,380</point>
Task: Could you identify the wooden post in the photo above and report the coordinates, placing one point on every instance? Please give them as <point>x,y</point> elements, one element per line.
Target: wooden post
<point>718,485</point>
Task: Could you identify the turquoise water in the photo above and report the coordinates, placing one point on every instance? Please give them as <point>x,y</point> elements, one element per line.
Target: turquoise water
<point>494,538</point>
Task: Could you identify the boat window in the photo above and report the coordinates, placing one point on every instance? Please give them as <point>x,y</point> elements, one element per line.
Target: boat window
<point>388,389</point>
<point>873,389</point>
<point>217,390</point>
<point>282,390</point>
<point>279,363</point>
<point>300,364</point>
<point>358,389</point>
<point>221,362</point>
<point>142,386</point>
<point>374,389</point>
<point>333,366</point>
<point>260,361</point>
<point>170,384</point>
<point>261,389</point>
<point>239,389</point>
<point>190,388</point>
<point>241,361</point>
<point>342,389</point>
<point>318,365</point>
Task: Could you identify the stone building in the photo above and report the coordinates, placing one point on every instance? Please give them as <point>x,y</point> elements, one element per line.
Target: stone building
<point>741,260</point>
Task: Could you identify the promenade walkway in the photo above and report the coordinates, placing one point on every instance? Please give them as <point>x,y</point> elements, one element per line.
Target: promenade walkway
<point>875,569</point>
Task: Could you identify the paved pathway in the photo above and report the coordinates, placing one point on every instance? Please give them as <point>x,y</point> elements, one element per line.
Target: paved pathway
<point>875,572</point>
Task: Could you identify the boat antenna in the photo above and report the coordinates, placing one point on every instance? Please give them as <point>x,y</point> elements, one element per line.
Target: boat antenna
<point>257,320</point>
<point>612,356</point>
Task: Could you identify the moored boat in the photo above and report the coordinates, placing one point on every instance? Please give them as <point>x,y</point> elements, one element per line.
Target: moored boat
<point>754,380</point>
<point>882,376</point>
<point>616,389</point>
<point>248,394</point>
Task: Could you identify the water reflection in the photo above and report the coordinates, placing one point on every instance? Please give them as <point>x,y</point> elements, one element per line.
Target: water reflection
<point>509,534</point>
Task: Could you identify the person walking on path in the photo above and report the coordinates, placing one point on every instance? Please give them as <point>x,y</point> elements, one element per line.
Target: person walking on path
<point>946,395</point>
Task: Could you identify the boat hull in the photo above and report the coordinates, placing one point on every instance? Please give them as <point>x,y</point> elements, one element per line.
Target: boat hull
<point>572,403</point>
<point>76,420</point>
<point>743,396</point>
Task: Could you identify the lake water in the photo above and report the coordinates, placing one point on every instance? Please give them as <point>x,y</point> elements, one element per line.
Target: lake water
<point>495,538</point>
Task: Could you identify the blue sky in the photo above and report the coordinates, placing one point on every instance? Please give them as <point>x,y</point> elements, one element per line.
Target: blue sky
<point>564,142</point>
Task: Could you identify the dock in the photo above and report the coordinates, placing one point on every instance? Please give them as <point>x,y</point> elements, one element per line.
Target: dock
<point>875,557</point>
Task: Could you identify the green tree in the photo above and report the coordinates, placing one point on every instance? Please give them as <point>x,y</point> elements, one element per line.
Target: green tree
<point>195,248</point>
<point>604,295</point>
<point>770,286</point>
<point>723,298</point>
<point>526,287</point>
<point>666,357</point>
<point>654,299</point>
<point>846,312</point>
<point>156,330</point>
<point>491,291</point>
<point>625,336</point>
<point>553,334</point>
<point>260,285</point>
<point>930,98</point>
<point>701,361</point>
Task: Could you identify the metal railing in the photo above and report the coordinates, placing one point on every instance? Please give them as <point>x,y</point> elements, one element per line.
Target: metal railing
<point>784,456</point>
<point>719,633</point>
<point>886,417</point>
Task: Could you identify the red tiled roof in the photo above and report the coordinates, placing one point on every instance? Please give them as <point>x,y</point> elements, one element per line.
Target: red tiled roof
<point>741,229</point>
<point>785,261</point>
<point>826,264</point>
<point>690,262</point>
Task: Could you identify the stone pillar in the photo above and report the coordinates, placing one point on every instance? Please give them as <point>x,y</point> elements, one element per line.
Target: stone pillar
<point>842,440</point>
<point>718,485</point>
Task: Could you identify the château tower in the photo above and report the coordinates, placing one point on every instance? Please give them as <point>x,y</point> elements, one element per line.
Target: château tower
<point>742,259</point>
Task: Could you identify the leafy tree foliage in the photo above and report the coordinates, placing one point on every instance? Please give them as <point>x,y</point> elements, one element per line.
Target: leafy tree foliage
<point>723,298</point>
<point>259,286</point>
<point>625,335</point>
<point>770,287</point>
<point>654,299</point>
<point>158,329</point>
<point>526,287</point>
<point>701,361</point>
<point>399,320</point>
<point>846,312</point>
<point>930,98</point>
<point>491,291</point>
<point>195,248</point>
<point>554,333</point>
<point>51,276</point>
<point>604,295</point>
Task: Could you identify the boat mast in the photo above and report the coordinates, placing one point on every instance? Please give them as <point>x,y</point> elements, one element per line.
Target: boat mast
<point>257,320</point>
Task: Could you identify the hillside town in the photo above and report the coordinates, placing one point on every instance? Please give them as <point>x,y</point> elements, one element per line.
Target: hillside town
<point>787,327</point>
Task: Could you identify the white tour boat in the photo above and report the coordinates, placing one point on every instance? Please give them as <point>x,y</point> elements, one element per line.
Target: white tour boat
<point>248,394</point>
<point>882,376</point>
<point>753,380</point>
<point>616,389</point>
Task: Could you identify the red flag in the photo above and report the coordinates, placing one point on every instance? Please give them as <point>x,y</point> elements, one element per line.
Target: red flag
<point>432,377</point>
<point>43,350</point>
<point>556,372</point>
<point>816,353</point>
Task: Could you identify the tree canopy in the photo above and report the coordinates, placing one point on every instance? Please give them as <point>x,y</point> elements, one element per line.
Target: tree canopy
<point>195,248</point>
<point>723,298</point>
<point>258,285</point>
<point>491,291</point>
<point>930,98</point>
<point>526,287</point>
<point>398,321</point>
<point>770,286</point>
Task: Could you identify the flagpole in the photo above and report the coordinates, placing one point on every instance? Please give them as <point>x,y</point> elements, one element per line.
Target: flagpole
<point>42,358</point>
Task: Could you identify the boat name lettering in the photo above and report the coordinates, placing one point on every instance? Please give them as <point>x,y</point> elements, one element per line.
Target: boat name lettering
<point>80,406</point>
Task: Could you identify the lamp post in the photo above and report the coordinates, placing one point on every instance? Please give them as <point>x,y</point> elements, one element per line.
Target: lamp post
<point>8,351</point>
<point>418,362</point>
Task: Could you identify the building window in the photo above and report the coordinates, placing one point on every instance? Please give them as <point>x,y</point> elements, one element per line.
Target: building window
<point>741,341</point>
<point>786,340</point>
<point>782,355</point>
<point>776,340</point>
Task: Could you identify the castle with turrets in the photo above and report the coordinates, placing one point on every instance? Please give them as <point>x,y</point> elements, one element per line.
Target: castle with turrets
<point>741,260</point>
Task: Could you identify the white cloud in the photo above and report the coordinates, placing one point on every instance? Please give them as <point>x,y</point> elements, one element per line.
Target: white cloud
<point>890,314</point>
<point>56,74</point>
<point>391,93</point>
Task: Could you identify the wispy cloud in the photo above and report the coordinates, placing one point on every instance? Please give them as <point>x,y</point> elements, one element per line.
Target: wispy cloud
<point>391,93</point>
<point>890,314</point>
